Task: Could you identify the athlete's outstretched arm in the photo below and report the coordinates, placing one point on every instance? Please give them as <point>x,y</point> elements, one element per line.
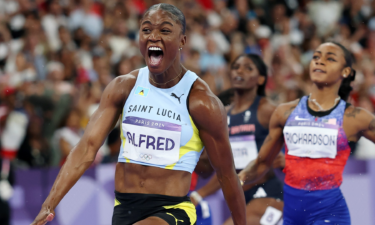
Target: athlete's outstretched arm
<point>83,154</point>
<point>210,118</point>
<point>365,120</point>
<point>271,147</point>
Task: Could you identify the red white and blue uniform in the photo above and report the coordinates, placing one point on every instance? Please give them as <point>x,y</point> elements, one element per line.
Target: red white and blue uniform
<point>316,150</point>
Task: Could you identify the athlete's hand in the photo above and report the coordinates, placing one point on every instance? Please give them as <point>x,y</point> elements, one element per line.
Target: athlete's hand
<point>279,162</point>
<point>44,216</point>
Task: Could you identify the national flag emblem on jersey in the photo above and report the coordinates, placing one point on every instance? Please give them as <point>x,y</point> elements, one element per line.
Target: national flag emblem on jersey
<point>142,91</point>
<point>330,121</point>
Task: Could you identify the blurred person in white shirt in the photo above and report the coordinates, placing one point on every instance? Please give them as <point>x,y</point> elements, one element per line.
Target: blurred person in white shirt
<point>51,23</point>
<point>23,72</point>
<point>85,15</point>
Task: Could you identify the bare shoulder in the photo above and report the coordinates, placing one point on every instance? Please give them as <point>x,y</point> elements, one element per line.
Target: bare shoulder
<point>204,106</point>
<point>283,111</point>
<point>119,88</point>
<point>359,117</point>
<point>201,97</point>
<point>128,79</point>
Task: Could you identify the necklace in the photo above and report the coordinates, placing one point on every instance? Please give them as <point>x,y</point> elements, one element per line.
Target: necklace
<point>167,81</point>
<point>320,107</point>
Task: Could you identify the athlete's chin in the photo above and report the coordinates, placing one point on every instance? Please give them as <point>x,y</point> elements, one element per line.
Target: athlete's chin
<point>155,69</point>
<point>318,80</point>
<point>239,87</point>
<point>321,83</point>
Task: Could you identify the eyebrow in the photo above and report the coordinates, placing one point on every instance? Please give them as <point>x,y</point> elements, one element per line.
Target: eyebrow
<point>328,53</point>
<point>331,53</point>
<point>165,22</point>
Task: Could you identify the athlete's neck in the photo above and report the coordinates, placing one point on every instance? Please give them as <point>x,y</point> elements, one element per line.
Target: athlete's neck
<point>325,97</point>
<point>169,78</point>
<point>243,99</point>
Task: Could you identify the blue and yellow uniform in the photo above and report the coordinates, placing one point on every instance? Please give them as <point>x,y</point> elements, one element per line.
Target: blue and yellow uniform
<point>157,131</point>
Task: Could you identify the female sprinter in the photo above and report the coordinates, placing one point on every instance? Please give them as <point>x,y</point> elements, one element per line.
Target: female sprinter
<point>168,115</point>
<point>248,120</point>
<point>318,131</point>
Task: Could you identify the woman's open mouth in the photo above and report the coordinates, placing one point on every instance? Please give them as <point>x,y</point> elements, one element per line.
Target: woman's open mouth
<point>155,55</point>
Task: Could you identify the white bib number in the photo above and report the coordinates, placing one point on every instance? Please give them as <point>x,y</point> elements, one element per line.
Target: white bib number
<point>151,141</point>
<point>311,139</point>
<point>271,216</point>
<point>244,150</point>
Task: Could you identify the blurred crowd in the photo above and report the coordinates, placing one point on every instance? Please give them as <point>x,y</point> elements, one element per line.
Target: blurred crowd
<point>57,56</point>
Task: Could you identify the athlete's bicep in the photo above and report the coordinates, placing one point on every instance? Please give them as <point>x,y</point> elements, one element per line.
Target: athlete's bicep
<point>210,117</point>
<point>275,139</point>
<point>369,122</point>
<point>105,117</point>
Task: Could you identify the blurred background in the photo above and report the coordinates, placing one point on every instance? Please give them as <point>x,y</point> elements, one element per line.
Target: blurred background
<point>57,56</point>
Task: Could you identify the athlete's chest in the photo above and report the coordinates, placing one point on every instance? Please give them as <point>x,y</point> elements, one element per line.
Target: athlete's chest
<point>149,103</point>
<point>306,135</point>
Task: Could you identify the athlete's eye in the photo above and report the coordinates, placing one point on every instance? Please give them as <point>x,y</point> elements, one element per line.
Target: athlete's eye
<point>235,67</point>
<point>331,59</point>
<point>249,68</point>
<point>165,31</point>
<point>146,30</point>
<point>315,57</point>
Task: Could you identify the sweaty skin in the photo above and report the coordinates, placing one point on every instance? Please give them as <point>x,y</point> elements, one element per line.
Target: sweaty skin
<point>357,122</point>
<point>160,30</point>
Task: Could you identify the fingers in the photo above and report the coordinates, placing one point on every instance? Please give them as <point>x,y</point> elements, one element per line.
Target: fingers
<point>50,217</point>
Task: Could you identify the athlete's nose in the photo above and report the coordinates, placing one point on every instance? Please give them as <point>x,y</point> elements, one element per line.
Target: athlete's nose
<point>154,36</point>
<point>319,61</point>
<point>240,70</point>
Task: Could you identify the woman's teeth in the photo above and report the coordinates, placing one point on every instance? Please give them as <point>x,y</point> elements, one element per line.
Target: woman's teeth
<point>154,48</point>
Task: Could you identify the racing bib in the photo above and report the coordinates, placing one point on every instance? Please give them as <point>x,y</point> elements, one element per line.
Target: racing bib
<point>311,139</point>
<point>244,150</point>
<point>151,141</point>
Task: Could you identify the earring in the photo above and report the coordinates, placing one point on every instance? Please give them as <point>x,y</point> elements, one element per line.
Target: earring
<point>180,49</point>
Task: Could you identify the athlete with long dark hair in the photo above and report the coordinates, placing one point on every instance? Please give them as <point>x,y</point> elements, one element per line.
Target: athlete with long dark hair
<point>168,114</point>
<point>318,131</point>
<point>248,120</point>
